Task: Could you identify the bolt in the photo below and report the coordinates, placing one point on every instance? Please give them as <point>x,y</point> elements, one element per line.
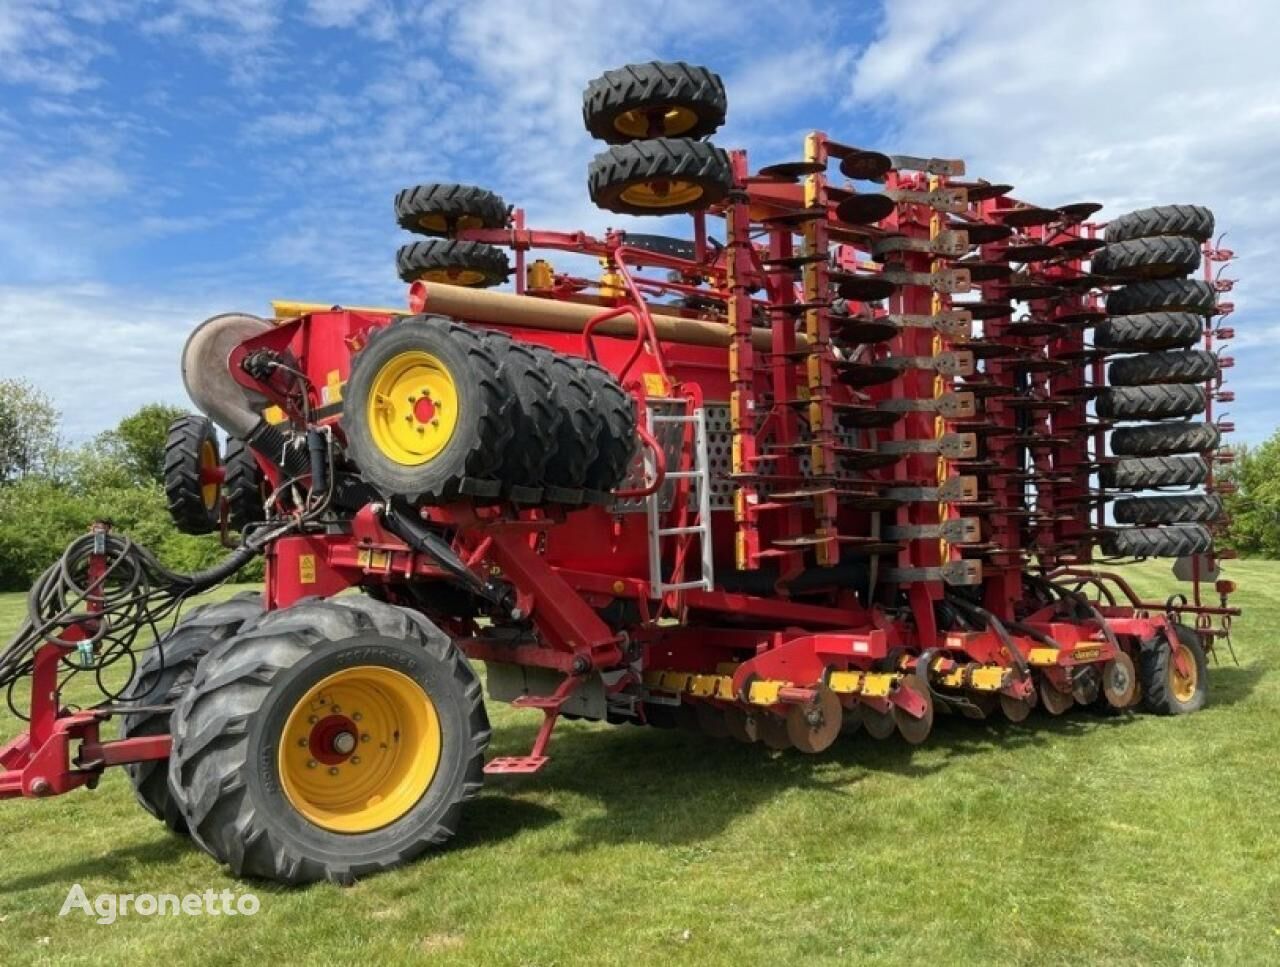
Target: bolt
<point>333,770</point>
<point>408,418</point>
<point>311,763</point>
<point>423,429</point>
<point>312,719</point>
<point>356,717</point>
<point>40,786</point>
<point>335,710</point>
<point>412,398</point>
<point>302,742</point>
<point>435,422</point>
<point>364,737</point>
<point>355,760</point>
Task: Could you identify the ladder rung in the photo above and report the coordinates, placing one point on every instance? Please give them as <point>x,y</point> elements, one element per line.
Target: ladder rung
<point>676,531</point>
<point>663,418</point>
<point>683,474</point>
<point>683,586</point>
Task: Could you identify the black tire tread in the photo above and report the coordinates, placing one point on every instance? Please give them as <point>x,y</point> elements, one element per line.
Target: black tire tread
<point>1165,295</point>
<point>1164,439</point>
<point>1149,331</point>
<point>183,492</point>
<point>611,171</point>
<point>211,726</point>
<point>1169,509</point>
<point>1162,257</point>
<point>1140,473</point>
<point>242,486</point>
<point>616,441</point>
<point>1180,366</point>
<point>1168,540</point>
<point>1193,221</point>
<point>577,442</point>
<point>462,206</point>
<point>416,259</point>
<point>536,412</point>
<point>637,86</point>
<point>1153,668</point>
<point>1150,402</point>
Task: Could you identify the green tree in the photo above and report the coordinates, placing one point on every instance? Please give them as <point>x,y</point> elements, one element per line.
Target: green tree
<point>29,441</point>
<point>138,441</point>
<point>1255,506</point>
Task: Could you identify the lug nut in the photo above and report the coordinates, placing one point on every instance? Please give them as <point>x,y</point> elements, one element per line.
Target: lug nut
<point>355,760</point>
<point>364,737</point>
<point>356,717</point>
<point>333,770</point>
<point>311,763</point>
<point>312,719</point>
<point>302,742</point>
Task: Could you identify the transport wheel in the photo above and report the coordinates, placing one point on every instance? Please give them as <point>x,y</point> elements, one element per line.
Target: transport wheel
<point>1140,473</point>
<point>1162,257</point>
<point>1119,682</point>
<point>1169,540</point>
<point>1194,221</point>
<point>1017,709</point>
<point>879,725</point>
<point>443,209</point>
<point>773,731</point>
<point>616,439</point>
<point>1172,509</point>
<point>1149,402</point>
<point>1053,701</point>
<point>654,100</point>
<point>1168,689</point>
<point>1149,331</point>
<point>244,486</point>
<point>661,176</point>
<point>1186,366</point>
<point>813,726</point>
<point>743,725</point>
<point>536,415</point>
<point>1165,439</point>
<point>191,463</point>
<point>332,740</point>
<point>579,431</point>
<point>711,720</point>
<point>1168,295</point>
<point>426,414</point>
<point>471,264</point>
<point>915,730</point>
<point>163,675</point>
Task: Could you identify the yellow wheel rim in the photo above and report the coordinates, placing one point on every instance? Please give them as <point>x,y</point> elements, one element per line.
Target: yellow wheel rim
<point>672,121</point>
<point>413,408</point>
<point>440,223</point>
<point>359,749</point>
<point>208,464</point>
<point>1184,686</point>
<point>661,193</point>
<point>458,276</point>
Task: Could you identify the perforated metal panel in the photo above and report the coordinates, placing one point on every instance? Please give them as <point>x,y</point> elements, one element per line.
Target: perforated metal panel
<point>669,437</point>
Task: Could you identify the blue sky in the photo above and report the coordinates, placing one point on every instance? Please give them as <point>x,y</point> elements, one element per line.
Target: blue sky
<point>164,160</point>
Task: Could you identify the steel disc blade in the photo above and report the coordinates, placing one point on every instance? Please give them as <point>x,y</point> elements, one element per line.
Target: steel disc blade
<point>813,726</point>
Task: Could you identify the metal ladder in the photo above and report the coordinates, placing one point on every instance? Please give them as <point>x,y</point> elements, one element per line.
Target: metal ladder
<point>699,478</point>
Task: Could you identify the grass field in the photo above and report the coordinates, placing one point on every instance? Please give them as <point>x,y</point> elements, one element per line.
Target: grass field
<point>1075,840</point>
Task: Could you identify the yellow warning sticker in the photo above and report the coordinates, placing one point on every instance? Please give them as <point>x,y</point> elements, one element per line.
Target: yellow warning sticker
<point>306,569</point>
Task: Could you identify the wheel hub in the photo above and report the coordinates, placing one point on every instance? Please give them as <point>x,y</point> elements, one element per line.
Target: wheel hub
<point>413,408</point>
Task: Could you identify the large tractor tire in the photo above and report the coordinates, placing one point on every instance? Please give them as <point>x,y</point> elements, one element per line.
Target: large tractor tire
<point>443,209</point>
<point>616,440</point>
<point>472,264</point>
<point>1141,473</point>
<point>654,100</point>
<point>163,676</point>
<point>1150,402</point>
<point>1165,439</point>
<point>426,413</point>
<point>1169,295</point>
<point>1163,257</point>
<point>1193,221</point>
<point>1169,509</point>
<point>1169,540</point>
<point>1149,331</point>
<point>1165,689</point>
<point>536,415</point>
<point>661,176</point>
<point>244,486</point>
<point>1186,366</point>
<point>580,430</point>
<point>329,741</point>
<point>191,460</point>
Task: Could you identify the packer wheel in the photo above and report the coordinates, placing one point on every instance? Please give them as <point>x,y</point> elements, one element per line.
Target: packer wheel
<point>443,209</point>
<point>339,738</point>
<point>1149,332</point>
<point>661,176</point>
<point>1182,366</point>
<point>471,264</point>
<point>1150,402</point>
<point>1167,295</point>
<point>192,475</point>
<point>1193,221</point>
<point>245,487</point>
<point>1162,257</point>
<point>654,100</point>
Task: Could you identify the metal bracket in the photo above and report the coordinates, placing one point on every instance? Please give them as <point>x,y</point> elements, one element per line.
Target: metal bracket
<point>953,323</point>
<point>954,406</point>
<point>953,363</point>
<point>954,490</point>
<point>951,243</point>
<point>953,446</point>
<point>955,573</point>
<point>953,200</point>
<point>960,530</point>
<point>947,280</point>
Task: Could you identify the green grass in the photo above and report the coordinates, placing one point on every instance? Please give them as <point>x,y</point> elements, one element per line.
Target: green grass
<point>1082,839</point>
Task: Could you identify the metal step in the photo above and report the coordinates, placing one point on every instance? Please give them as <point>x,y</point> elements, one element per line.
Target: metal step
<point>700,529</point>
